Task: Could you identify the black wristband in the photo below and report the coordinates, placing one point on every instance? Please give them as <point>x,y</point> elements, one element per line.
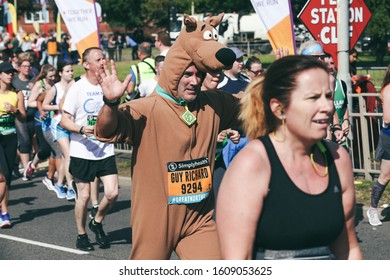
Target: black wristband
<point>111,103</point>
<point>347,120</point>
<point>81,131</point>
<point>335,127</point>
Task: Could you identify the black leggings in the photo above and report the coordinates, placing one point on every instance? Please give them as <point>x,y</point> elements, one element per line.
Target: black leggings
<point>8,145</point>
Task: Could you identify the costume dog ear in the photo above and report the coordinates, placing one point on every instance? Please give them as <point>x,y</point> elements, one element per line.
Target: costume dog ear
<point>215,20</point>
<point>189,22</point>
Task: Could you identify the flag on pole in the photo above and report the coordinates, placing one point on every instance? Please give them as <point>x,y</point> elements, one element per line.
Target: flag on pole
<point>58,28</point>
<point>7,18</point>
<point>278,21</point>
<point>81,20</point>
<point>12,11</point>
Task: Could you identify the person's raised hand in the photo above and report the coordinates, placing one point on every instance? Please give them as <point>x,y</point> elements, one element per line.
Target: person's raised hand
<point>281,52</point>
<point>112,87</point>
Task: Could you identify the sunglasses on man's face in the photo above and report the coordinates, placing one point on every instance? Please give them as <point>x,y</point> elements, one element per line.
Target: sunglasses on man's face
<point>319,56</point>
<point>256,73</point>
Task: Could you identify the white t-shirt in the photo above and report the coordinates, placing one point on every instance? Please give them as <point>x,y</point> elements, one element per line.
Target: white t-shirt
<point>147,87</point>
<point>164,52</point>
<point>83,101</point>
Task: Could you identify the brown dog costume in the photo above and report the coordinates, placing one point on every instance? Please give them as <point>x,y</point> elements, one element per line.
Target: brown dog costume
<point>173,154</point>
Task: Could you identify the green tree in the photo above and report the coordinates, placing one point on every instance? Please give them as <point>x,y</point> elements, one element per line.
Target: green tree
<point>125,13</point>
<point>379,27</point>
<point>24,6</point>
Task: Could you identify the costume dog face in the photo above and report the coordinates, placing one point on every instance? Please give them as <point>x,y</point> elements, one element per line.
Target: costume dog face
<point>197,43</point>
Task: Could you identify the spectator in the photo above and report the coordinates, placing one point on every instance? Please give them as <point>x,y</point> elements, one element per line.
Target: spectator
<point>38,45</point>
<point>142,71</point>
<point>162,42</point>
<point>52,51</point>
<point>134,47</point>
<point>26,44</point>
<point>44,54</point>
<point>353,57</point>
<point>74,54</point>
<point>147,87</point>
<point>119,47</point>
<point>111,47</point>
<point>64,49</point>
<point>253,67</point>
<point>233,81</point>
<point>14,45</point>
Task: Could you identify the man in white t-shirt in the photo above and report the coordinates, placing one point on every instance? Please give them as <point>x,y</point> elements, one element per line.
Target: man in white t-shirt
<point>89,158</point>
<point>148,86</point>
<point>162,42</point>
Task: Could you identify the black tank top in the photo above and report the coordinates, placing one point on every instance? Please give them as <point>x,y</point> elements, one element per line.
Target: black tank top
<point>292,219</point>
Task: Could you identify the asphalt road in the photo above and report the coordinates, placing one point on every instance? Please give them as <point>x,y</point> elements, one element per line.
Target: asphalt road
<point>43,227</point>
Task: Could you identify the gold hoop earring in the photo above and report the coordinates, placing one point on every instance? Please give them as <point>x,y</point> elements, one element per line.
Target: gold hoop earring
<point>282,137</point>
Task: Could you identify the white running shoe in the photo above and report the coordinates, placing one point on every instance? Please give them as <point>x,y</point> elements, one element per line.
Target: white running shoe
<point>373,218</point>
<point>48,183</point>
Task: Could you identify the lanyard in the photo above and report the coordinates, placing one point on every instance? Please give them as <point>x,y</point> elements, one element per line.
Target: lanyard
<point>187,116</point>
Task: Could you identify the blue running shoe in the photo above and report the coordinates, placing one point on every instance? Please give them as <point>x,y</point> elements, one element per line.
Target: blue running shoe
<point>60,191</point>
<point>70,194</point>
<point>4,221</point>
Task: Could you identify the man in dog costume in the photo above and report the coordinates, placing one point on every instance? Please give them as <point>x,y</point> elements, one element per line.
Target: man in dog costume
<point>173,133</point>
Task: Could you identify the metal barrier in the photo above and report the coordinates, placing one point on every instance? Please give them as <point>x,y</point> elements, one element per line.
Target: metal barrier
<point>366,125</point>
<point>364,136</point>
<point>123,148</point>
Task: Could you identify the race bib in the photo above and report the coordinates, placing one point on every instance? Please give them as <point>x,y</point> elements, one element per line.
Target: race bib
<point>189,181</point>
<point>7,124</point>
<point>91,121</point>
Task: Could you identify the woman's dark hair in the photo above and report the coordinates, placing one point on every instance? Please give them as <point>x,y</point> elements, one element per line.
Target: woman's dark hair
<point>251,60</point>
<point>61,66</point>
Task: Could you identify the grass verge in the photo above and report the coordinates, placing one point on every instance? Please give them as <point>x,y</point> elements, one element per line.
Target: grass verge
<point>363,193</point>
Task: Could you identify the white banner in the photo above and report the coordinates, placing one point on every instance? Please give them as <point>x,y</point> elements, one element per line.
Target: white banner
<point>277,19</point>
<point>81,20</point>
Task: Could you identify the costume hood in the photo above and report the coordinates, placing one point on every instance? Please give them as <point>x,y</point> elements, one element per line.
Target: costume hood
<point>197,43</point>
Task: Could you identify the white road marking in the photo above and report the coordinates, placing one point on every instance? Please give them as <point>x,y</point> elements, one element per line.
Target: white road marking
<point>46,245</point>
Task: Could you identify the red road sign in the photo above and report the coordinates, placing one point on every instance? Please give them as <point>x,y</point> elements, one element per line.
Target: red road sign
<point>320,18</point>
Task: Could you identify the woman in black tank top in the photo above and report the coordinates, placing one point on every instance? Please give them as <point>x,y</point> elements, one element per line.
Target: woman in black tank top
<point>288,193</point>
